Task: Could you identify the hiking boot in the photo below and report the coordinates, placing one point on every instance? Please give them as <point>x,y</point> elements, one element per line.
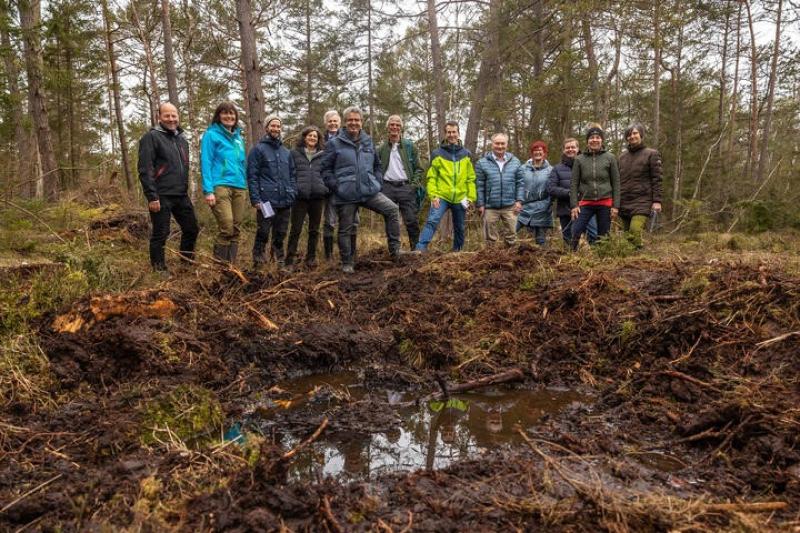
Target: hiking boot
<point>221,252</point>
<point>233,249</point>
<point>327,243</point>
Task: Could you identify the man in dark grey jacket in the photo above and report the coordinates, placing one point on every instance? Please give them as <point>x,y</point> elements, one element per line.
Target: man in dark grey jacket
<point>164,174</point>
<point>352,171</point>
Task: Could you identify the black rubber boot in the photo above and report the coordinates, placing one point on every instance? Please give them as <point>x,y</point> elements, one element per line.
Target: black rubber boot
<point>221,252</point>
<point>233,249</point>
<point>353,242</point>
<point>327,243</point>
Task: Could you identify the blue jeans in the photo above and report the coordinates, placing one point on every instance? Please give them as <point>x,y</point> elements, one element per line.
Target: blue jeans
<point>566,229</point>
<point>579,226</point>
<point>539,233</point>
<point>435,216</point>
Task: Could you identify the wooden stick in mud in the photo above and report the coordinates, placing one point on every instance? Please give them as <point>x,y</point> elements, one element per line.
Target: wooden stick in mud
<point>690,379</point>
<point>314,436</point>
<point>503,377</point>
<point>744,507</point>
<point>328,514</point>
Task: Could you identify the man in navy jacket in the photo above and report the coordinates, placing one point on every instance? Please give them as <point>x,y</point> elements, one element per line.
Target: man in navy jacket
<point>352,170</point>
<point>272,183</point>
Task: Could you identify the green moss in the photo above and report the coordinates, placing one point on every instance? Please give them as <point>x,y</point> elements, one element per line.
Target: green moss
<point>538,279</point>
<point>626,332</point>
<point>190,413</point>
<point>696,283</point>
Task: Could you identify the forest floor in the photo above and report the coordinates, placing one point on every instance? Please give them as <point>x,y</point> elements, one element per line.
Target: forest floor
<point>136,403</point>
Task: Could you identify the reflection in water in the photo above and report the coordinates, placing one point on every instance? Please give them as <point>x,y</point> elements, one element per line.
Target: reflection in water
<point>430,436</point>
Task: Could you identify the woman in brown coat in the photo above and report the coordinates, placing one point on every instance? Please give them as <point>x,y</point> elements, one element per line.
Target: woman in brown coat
<point>640,184</point>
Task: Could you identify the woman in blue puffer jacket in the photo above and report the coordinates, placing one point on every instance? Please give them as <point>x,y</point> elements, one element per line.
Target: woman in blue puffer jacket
<point>222,165</point>
<point>536,215</point>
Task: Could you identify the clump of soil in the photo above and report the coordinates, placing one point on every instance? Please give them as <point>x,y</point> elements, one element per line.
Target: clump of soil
<point>695,359</point>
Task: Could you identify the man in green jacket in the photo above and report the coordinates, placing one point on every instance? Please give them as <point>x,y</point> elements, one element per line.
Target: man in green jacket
<point>451,185</point>
<point>402,174</point>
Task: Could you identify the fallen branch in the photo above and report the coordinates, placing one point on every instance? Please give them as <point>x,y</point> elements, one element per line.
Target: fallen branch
<point>37,217</point>
<point>754,507</point>
<point>266,322</point>
<point>314,436</point>
<point>779,338</point>
<point>503,377</point>
<point>328,514</point>
<point>728,438</point>
<point>33,490</point>
<point>690,379</point>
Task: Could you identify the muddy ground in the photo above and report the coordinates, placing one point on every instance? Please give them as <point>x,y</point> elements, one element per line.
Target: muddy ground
<point>686,357</point>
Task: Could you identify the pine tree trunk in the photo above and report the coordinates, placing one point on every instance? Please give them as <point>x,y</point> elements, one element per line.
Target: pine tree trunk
<point>169,55</point>
<point>24,142</point>
<point>487,74</point>
<point>763,159</point>
<point>154,93</point>
<point>657,74</point>
<point>752,151</point>
<point>112,63</point>
<point>438,69</point>
<point>252,72</point>
<point>30,18</point>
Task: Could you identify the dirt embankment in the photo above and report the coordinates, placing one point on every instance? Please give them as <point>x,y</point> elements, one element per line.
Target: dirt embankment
<point>695,359</point>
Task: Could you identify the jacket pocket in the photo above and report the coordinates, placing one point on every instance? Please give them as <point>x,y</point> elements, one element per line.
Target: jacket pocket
<point>346,188</point>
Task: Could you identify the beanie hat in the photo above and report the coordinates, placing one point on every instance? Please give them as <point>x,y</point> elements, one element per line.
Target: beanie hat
<point>270,118</point>
<point>595,130</point>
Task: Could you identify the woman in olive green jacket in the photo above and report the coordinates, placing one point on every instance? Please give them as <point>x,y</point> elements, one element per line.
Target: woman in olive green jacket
<point>594,190</point>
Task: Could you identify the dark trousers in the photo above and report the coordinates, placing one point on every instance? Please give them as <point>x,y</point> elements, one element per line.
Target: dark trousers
<point>405,197</point>
<point>347,215</point>
<point>279,224</point>
<point>182,209</point>
<point>566,229</point>
<point>314,210</point>
<point>603,215</point>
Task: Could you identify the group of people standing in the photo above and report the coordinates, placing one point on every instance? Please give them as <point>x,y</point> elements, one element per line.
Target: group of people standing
<point>327,177</point>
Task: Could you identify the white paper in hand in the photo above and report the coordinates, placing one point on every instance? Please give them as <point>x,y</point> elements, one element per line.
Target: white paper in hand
<point>465,203</point>
<point>266,210</point>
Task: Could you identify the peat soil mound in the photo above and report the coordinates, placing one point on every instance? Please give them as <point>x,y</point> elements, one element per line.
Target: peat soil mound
<point>690,360</point>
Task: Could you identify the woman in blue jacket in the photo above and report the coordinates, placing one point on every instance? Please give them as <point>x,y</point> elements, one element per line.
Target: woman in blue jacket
<point>536,214</point>
<point>222,164</point>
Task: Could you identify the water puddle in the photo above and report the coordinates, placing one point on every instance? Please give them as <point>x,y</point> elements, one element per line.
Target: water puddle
<point>428,435</point>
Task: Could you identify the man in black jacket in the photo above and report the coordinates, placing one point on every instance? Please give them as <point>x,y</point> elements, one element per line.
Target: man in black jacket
<point>164,174</point>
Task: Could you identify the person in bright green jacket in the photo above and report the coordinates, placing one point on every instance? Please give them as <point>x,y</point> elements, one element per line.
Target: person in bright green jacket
<point>451,185</point>
<point>222,165</point>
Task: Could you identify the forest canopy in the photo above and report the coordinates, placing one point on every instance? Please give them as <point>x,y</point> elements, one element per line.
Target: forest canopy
<point>716,84</point>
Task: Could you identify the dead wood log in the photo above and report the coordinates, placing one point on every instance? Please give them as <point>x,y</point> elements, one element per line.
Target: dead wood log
<point>745,507</point>
<point>514,374</point>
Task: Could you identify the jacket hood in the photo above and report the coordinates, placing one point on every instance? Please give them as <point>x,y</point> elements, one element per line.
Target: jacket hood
<point>545,164</point>
<point>490,156</point>
<point>363,137</point>
<point>568,161</point>
<point>222,129</point>
<point>457,150</point>
<point>165,131</point>
<point>268,139</point>
<point>602,150</point>
<point>636,148</point>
